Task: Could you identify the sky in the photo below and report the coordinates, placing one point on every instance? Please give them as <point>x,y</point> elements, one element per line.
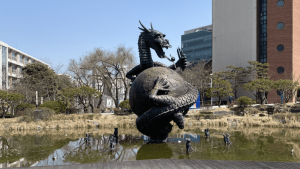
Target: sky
<point>56,31</point>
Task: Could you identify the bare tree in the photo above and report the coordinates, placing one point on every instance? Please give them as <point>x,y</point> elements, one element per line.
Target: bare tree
<point>110,68</point>
<point>29,95</point>
<point>126,61</point>
<point>110,77</point>
<point>198,75</point>
<point>93,63</point>
<point>106,69</point>
<point>82,74</point>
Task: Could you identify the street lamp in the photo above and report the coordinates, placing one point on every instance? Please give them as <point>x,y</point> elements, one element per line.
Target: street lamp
<point>211,91</point>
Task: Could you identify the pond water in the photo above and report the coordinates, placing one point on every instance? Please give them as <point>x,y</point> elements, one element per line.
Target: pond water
<point>63,147</point>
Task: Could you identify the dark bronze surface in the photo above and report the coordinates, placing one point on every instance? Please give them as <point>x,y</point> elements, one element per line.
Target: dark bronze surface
<point>158,93</point>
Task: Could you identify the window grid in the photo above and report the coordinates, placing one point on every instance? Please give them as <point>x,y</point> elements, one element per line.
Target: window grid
<point>13,56</point>
<point>263,32</point>
<point>197,48</point>
<point>13,68</point>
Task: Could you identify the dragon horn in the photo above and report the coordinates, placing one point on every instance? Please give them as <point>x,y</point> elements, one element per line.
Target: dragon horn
<point>178,52</point>
<point>151,26</point>
<point>141,29</point>
<point>144,27</point>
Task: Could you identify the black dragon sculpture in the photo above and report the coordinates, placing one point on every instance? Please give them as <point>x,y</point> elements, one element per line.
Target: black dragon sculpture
<point>154,39</point>
<point>158,94</point>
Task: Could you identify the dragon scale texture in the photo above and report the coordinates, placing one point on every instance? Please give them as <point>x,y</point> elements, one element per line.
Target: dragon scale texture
<point>144,53</point>
<point>165,113</point>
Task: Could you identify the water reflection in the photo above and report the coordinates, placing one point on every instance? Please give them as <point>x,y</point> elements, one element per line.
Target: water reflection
<point>98,150</point>
<point>62,147</point>
<point>154,151</point>
<point>179,138</point>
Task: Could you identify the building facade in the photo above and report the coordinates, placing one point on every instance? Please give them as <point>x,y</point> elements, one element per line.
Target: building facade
<point>12,61</point>
<point>197,44</point>
<point>257,30</point>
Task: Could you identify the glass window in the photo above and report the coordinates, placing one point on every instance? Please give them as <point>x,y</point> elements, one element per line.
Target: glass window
<point>26,59</point>
<point>13,68</point>
<point>13,56</point>
<point>280,48</point>
<point>280,70</point>
<point>4,64</point>
<point>280,25</point>
<point>20,59</point>
<point>280,3</point>
<point>14,81</point>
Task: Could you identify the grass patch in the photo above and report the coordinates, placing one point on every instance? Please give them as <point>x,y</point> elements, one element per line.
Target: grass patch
<point>68,121</point>
<point>195,119</point>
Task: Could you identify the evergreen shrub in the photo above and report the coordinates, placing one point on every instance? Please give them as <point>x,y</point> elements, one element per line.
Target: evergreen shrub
<point>57,106</point>
<point>23,106</point>
<point>125,105</point>
<point>244,101</point>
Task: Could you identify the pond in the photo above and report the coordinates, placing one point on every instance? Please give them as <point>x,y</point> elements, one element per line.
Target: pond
<point>62,147</point>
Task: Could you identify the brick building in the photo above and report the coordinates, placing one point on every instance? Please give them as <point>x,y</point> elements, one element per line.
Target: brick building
<point>258,30</point>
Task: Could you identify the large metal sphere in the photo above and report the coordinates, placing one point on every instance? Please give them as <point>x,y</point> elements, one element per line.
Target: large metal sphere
<point>140,89</point>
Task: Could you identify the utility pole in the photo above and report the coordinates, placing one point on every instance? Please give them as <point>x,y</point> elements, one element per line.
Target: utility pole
<point>41,100</point>
<point>36,100</point>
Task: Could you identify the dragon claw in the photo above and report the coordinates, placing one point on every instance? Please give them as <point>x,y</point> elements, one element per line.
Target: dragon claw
<point>162,84</point>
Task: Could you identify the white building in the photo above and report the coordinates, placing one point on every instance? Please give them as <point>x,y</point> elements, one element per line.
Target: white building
<point>234,35</point>
<point>13,60</point>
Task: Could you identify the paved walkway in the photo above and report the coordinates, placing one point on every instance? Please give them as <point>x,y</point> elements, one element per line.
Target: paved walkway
<point>179,164</point>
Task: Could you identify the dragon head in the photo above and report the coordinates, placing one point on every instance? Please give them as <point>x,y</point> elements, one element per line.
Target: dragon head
<point>156,40</point>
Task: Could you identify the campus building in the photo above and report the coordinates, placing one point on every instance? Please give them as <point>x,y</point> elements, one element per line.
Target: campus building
<point>13,60</point>
<point>257,30</point>
<point>197,44</point>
